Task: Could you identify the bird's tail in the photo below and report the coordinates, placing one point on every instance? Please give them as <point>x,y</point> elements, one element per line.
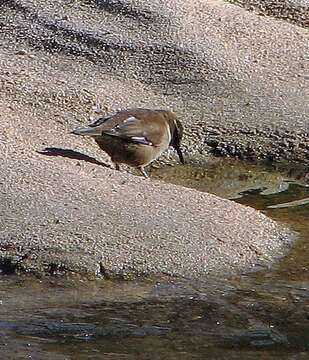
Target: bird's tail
<point>88,131</point>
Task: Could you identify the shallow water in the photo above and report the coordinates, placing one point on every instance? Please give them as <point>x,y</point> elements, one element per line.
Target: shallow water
<point>262,315</point>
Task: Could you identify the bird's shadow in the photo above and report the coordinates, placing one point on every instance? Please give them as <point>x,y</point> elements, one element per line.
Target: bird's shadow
<point>71,154</point>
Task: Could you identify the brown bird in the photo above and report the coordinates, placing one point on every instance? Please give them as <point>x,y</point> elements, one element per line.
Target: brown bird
<point>136,137</point>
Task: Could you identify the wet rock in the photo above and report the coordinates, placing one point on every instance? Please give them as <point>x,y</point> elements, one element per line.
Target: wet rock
<point>259,338</point>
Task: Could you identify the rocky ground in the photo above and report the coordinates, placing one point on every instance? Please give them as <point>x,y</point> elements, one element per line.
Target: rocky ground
<point>294,11</point>
<point>237,81</point>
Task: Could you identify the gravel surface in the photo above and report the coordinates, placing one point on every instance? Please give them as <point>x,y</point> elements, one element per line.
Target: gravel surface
<point>294,11</point>
<point>236,80</point>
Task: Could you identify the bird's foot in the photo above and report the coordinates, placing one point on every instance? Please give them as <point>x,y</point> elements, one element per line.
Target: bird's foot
<point>143,171</point>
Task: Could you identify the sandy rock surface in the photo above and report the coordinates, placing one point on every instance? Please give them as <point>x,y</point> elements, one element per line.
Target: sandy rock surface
<point>236,80</point>
<point>63,215</point>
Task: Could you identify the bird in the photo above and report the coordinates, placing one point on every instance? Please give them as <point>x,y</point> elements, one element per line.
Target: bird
<point>136,137</point>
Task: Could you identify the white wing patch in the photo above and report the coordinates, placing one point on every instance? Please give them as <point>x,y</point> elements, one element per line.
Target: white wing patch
<point>141,139</point>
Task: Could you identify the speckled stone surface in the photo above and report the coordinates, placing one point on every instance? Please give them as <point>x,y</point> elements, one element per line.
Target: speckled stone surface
<point>237,79</point>
<point>62,215</point>
<point>237,82</point>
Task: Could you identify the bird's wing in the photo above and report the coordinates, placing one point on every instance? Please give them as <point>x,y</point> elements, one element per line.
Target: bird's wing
<point>130,129</point>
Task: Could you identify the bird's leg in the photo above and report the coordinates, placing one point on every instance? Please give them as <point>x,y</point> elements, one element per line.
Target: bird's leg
<point>142,170</point>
